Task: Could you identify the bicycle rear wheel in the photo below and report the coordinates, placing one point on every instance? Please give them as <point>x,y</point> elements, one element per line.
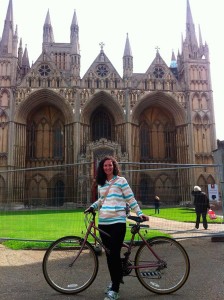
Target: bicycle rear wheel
<point>65,269</point>
<point>165,273</point>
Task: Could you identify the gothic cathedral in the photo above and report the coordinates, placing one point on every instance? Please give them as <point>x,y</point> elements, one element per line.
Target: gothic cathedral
<point>55,125</point>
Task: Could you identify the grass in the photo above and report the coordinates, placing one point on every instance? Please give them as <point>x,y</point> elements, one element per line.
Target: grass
<point>37,228</point>
<point>181,214</point>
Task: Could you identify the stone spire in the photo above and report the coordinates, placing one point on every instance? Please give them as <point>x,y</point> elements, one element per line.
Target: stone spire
<point>173,63</point>
<point>9,41</point>
<point>191,39</point>
<point>74,36</point>
<point>127,60</point>
<point>48,35</point>
<point>75,50</point>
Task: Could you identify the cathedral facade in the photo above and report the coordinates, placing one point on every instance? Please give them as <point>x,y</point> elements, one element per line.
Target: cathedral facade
<point>55,125</point>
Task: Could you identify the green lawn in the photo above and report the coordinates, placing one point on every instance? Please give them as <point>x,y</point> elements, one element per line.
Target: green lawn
<point>181,214</point>
<point>30,228</point>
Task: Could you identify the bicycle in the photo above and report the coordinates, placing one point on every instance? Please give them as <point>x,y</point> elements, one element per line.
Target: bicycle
<point>161,264</point>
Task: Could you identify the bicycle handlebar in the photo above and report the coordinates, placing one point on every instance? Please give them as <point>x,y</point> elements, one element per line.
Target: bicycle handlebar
<point>133,218</point>
<point>136,219</point>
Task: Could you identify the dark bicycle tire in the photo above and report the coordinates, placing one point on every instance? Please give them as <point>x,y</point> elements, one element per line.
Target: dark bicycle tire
<point>167,277</point>
<point>64,271</point>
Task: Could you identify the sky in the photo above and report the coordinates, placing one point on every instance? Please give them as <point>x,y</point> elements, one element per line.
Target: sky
<point>149,24</point>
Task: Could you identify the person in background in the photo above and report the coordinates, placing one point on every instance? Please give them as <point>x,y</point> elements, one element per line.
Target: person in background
<point>157,204</point>
<point>201,203</point>
<point>115,193</point>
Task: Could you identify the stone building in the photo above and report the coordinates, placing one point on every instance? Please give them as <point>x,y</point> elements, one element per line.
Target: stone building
<point>55,125</point>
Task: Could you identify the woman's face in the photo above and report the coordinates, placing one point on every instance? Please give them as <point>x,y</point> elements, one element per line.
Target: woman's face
<point>108,168</point>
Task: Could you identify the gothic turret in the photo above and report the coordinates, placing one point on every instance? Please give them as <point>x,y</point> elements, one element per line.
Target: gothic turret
<point>190,44</point>
<point>127,60</point>
<point>9,42</point>
<point>20,53</point>
<point>48,35</point>
<point>173,64</point>
<point>25,62</point>
<point>75,51</point>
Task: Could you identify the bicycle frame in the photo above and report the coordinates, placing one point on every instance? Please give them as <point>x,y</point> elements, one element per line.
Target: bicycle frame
<point>129,246</point>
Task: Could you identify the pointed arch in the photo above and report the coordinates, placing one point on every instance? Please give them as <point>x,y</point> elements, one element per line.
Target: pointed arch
<point>206,120</point>
<point>210,179</point>
<point>4,98</point>
<point>102,125</point>
<point>160,100</point>
<point>163,188</point>
<point>146,189</point>
<point>3,197</point>
<point>202,182</point>
<point>56,192</point>
<point>3,131</point>
<point>103,99</point>
<point>45,134</point>
<point>37,190</point>
<point>204,101</point>
<point>195,101</point>
<point>197,119</point>
<point>157,135</point>
<point>43,97</point>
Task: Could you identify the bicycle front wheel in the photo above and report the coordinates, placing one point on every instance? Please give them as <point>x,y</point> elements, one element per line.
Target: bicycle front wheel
<point>164,266</point>
<point>66,269</point>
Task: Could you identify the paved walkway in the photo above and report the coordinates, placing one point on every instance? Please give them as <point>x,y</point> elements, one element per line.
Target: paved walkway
<point>180,230</point>
<point>185,230</point>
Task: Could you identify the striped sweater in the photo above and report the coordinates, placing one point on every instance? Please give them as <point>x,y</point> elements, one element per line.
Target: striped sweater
<point>112,208</point>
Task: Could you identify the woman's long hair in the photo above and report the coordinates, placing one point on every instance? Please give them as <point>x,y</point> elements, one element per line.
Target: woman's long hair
<point>101,176</point>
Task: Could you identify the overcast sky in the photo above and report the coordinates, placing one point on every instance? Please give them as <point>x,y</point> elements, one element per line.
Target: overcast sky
<point>149,23</point>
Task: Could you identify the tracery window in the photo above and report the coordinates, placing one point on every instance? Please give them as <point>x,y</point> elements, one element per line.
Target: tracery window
<point>45,134</point>
<point>102,125</point>
<point>31,138</point>
<point>144,141</point>
<point>169,136</point>
<point>58,140</point>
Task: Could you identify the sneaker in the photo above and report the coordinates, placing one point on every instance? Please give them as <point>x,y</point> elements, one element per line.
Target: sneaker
<point>108,288</point>
<point>111,295</point>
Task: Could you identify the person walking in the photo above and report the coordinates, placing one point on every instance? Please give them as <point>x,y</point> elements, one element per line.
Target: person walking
<point>201,203</point>
<point>115,193</point>
<point>157,204</point>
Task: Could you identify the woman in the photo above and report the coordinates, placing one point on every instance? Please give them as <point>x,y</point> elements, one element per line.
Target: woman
<point>115,193</point>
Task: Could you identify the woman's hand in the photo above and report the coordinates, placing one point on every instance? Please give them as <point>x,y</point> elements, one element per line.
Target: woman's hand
<point>89,210</point>
<point>144,218</point>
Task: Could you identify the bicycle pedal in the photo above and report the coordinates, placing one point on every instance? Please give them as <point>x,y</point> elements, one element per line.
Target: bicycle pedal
<point>155,274</point>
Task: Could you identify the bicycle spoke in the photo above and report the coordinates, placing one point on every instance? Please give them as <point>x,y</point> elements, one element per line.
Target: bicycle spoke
<point>167,275</point>
<point>65,269</point>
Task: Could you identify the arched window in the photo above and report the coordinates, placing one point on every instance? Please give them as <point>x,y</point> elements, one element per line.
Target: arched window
<point>31,140</point>
<point>58,193</point>
<point>58,140</point>
<point>169,137</point>
<point>102,125</point>
<point>146,190</point>
<point>3,132</point>
<point>144,141</point>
